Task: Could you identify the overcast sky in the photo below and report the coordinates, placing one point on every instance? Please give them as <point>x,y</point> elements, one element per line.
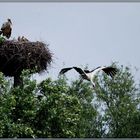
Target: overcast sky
<point>80,34</point>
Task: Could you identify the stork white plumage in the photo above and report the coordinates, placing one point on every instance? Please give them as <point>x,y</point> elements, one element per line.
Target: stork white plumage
<point>89,75</point>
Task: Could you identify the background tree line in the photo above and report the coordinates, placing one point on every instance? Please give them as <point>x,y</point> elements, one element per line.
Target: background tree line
<point>57,108</point>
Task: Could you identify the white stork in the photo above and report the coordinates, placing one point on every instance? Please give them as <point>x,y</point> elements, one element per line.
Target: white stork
<point>89,75</point>
<point>6,28</point>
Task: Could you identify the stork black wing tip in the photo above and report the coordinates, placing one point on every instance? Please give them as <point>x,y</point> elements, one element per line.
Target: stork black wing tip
<point>75,67</point>
<point>64,70</point>
<point>61,71</point>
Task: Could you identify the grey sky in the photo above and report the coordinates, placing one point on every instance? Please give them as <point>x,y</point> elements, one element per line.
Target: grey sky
<point>80,33</point>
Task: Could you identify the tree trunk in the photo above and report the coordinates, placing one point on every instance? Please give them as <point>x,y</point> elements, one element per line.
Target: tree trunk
<point>17,80</point>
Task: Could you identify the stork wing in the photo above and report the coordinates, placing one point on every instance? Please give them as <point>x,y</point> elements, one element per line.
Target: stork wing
<point>64,70</point>
<point>79,70</point>
<point>97,69</point>
<point>110,71</point>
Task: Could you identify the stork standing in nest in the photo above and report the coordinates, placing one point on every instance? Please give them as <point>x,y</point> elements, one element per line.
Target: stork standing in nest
<point>22,39</point>
<point>6,28</point>
<point>89,75</point>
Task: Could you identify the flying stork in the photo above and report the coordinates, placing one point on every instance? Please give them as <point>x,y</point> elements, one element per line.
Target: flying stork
<point>89,75</point>
<point>6,28</point>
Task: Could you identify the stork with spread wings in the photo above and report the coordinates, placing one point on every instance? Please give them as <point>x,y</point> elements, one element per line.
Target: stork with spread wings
<point>89,75</point>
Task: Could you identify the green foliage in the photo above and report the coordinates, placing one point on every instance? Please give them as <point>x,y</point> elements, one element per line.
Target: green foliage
<point>59,112</point>
<point>45,110</point>
<point>2,39</point>
<point>88,126</point>
<point>68,110</point>
<point>121,99</point>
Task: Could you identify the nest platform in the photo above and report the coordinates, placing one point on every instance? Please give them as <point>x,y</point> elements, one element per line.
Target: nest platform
<point>16,56</point>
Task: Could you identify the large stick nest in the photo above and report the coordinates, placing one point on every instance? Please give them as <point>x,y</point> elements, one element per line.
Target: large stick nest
<point>16,56</point>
